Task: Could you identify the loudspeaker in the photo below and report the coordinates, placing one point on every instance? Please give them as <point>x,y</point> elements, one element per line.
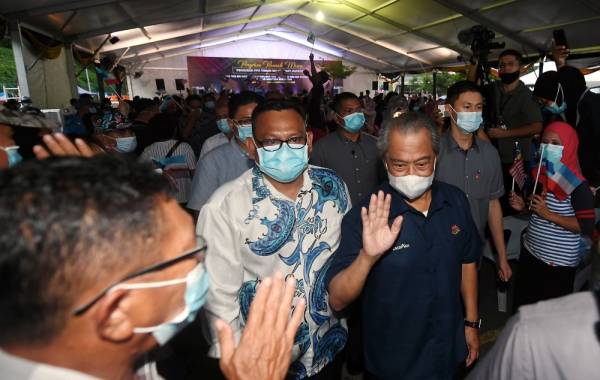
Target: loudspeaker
<point>375,85</point>
<point>160,85</point>
<point>180,84</point>
<point>386,86</point>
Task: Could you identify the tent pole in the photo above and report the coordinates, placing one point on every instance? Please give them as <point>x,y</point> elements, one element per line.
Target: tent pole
<point>402,84</point>
<point>434,84</point>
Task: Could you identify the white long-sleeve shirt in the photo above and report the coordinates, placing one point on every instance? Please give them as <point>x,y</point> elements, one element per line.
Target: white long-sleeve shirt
<point>252,230</point>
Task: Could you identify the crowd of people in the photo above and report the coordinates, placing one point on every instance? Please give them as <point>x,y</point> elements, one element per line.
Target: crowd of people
<point>295,235</point>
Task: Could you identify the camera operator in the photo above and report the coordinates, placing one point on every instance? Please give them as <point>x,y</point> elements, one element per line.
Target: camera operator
<point>517,115</point>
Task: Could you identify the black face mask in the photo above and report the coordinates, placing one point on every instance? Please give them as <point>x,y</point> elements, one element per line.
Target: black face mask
<point>508,78</point>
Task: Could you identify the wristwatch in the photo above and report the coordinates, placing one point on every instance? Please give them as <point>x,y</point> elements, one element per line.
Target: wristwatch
<point>473,324</point>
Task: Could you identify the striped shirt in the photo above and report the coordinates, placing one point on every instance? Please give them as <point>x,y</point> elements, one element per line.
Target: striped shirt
<point>550,242</point>
<point>160,149</point>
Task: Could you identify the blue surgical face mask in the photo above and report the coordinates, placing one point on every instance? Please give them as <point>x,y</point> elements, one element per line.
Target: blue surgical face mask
<point>554,108</point>
<point>244,131</point>
<point>126,144</point>
<point>196,291</point>
<point>552,153</point>
<point>210,105</point>
<point>468,122</point>
<point>223,126</point>
<point>354,122</point>
<point>285,164</point>
<point>14,157</point>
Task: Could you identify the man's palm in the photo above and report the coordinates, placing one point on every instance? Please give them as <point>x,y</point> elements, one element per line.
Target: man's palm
<point>378,235</point>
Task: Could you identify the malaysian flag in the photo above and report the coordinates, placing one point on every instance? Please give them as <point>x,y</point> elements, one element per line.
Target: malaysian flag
<point>517,170</point>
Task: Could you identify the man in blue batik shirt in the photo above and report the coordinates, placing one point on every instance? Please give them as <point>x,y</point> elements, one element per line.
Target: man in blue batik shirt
<point>411,250</point>
<point>282,215</point>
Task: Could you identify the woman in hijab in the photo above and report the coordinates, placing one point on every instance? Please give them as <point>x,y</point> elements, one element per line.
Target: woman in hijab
<point>561,215</point>
<point>565,96</point>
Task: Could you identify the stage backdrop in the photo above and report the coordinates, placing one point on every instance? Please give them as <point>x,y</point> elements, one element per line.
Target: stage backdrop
<point>261,75</point>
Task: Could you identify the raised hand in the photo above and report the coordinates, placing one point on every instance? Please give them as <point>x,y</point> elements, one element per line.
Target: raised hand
<point>265,349</point>
<point>59,145</point>
<point>378,236</point>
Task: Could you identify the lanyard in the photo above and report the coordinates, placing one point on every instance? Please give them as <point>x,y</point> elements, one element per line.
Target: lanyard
<point>579,101</point>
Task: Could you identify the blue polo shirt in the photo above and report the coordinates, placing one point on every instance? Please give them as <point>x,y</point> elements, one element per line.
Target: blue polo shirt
<point>412,311</point>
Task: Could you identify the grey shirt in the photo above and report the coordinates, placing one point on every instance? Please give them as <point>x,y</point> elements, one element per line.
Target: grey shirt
<point>477,172</point>
<point>515,109</point>
<point>219,166</point>
<point>357,163</point>
<point>549,340</point>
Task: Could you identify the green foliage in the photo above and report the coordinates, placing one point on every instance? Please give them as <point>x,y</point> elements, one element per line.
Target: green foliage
<point>424,82</point>
<point>8,71</point>
<point>81,79</point>
<point>338,70</point>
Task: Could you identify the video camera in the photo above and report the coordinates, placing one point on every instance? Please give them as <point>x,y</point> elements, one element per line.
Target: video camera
<point>480,40</point>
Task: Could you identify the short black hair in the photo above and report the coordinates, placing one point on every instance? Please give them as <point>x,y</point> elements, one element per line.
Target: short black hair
<point>514,53</point>
<point>459,88</point>
<point>242,99</point>
<point>191,98</point>
<point>276,105</point>
<point>340,98</point>
<point>70,224</point>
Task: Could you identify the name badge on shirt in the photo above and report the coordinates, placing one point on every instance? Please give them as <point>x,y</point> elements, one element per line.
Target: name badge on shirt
<point>401,247</point>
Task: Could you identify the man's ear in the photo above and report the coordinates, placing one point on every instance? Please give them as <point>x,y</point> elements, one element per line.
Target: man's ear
<point>112,317</point>
<point>309,141</point>
<point>338,119</point>
<point>251,149</point>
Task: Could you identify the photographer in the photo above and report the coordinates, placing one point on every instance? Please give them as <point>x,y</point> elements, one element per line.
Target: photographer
<point>517,115</point>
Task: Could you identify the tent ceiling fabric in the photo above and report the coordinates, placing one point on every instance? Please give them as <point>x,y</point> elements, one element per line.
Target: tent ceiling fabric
<point>390,35</point>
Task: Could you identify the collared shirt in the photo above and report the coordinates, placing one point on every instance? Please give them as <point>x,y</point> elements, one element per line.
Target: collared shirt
<point>184,162</point>
<point>413,319</point>
<point>553,339</point>
<point>16,368</point>
<point>212,143</point>
<point>252,230</point>
<point>357,162</point>
<point>218,167</point>
<point>515,108</point>
<point>476,171</point>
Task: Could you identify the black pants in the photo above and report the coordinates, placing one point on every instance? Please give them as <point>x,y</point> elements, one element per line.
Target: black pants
<point>537,281</point>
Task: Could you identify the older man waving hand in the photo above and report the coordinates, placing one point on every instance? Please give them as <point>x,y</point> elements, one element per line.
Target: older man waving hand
<point>412,254</point>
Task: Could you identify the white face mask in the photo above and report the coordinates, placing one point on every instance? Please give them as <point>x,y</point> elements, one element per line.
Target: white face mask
<point>411,186</point>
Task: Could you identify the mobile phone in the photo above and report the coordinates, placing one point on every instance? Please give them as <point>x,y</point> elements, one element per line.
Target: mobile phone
<point>560,38</point>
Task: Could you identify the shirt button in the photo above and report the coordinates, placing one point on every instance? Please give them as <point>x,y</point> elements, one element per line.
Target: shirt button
<point>355,157</point>
<point>358,181</point>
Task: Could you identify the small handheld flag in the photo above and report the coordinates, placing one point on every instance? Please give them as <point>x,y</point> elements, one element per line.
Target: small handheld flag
<point>517,170</point>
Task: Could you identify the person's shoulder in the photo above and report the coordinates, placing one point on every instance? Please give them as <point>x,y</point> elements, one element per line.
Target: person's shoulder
<point>327,140</point>
<point>322,176</point>
<point>486,148</point>
<point>368,138</point>
<point>218,152</point>
<point>564,309</point>
<point>232,190</point>
<point>449,192</point>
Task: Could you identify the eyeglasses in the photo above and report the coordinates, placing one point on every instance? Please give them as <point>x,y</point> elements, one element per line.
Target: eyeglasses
<point>273,145</point>
<point>152,268</point>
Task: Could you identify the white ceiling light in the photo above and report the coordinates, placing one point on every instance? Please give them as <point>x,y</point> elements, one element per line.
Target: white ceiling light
<point>320,16</point>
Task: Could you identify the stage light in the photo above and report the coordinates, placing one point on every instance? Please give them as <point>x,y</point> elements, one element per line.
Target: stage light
<point>320,16</point>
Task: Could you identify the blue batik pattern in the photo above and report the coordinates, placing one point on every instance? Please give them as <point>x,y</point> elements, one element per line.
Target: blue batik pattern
<point>298,233</point>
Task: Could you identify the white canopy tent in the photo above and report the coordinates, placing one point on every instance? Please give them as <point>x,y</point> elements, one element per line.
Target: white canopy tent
<point>383,36</point>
